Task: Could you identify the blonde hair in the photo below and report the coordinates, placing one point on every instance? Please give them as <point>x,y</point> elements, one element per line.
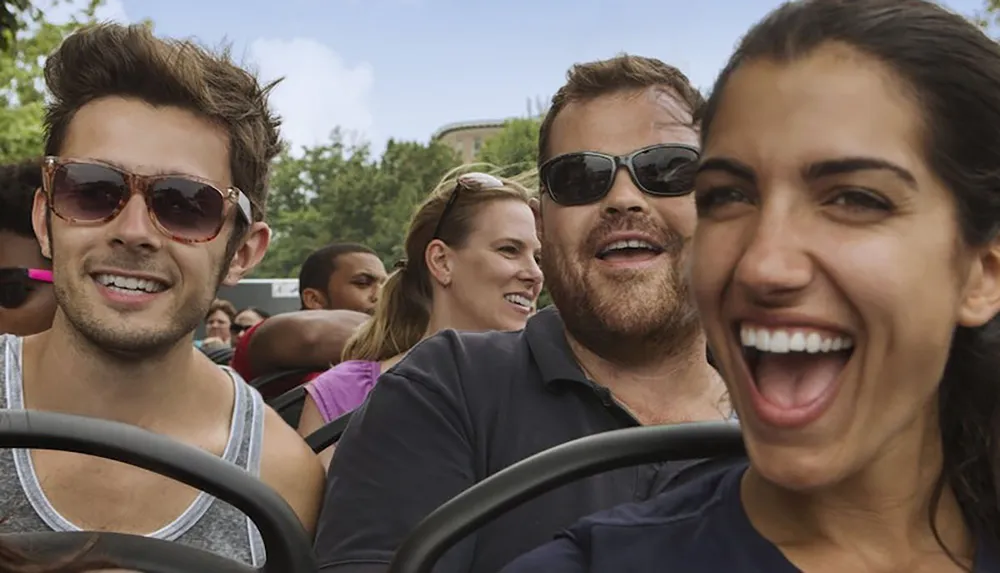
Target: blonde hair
<point>404,308</point>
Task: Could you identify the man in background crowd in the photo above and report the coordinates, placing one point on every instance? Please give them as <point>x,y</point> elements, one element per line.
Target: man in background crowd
<point>339,285</point>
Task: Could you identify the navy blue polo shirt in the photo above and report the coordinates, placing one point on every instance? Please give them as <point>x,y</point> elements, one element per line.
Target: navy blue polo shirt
<point>459,408</point>
<point>698,527</point>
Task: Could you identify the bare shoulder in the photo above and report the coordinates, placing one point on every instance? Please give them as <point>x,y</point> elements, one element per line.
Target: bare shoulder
<point>291,468</point>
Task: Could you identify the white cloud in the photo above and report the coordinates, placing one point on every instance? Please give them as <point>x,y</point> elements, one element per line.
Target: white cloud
<point>320,91</point>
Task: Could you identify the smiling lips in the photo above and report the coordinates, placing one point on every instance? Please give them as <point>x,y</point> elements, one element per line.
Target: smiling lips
<point>626,249</point>
<point>521,301</point>
<point>795,371</point>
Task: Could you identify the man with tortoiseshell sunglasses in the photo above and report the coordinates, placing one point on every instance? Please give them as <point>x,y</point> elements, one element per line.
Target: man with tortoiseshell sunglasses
<point>27,303</point>
<point>154,190</point>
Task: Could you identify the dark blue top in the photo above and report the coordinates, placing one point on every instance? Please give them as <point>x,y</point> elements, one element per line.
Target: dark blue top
<point>699,527</point>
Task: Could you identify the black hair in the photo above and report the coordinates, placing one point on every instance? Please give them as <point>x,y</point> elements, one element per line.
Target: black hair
<point>18,182</point>
<point>953,70</point>
<point>316,270</point>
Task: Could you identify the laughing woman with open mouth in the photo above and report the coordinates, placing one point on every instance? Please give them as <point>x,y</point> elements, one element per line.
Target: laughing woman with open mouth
<point>847,268</point>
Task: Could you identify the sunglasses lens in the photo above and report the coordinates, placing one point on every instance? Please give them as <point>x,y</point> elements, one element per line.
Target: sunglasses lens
<point>187,209</point>
<point>87,193</point>
<point>578,178</point>
<point>666,171</point>
<point>13,293</point>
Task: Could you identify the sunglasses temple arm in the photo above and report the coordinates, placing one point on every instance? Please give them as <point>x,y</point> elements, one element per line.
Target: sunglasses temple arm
<point>40,275</point>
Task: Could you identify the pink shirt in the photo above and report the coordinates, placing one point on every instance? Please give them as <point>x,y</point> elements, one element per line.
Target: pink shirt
<point>343,387</point>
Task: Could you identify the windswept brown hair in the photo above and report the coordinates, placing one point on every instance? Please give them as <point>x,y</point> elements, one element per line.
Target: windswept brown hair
<point>623,73</point>
<point>129,61</point>
<point>403,311</point>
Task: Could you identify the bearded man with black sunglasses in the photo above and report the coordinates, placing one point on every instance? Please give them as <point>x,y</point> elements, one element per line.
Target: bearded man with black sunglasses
<point>153,193</point>
<point>621,347</point>
<point>27,303</point>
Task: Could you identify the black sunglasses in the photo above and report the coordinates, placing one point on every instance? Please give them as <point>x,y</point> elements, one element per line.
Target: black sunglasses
<point>237,328</point>
<point>663,170</point>
<point>469,181</point>
<point>17,283</point>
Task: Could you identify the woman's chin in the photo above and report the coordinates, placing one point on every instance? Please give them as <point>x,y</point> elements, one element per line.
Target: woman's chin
<point>796,469</point>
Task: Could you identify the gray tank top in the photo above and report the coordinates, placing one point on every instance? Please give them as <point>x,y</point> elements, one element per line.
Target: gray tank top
<point>208,523</point>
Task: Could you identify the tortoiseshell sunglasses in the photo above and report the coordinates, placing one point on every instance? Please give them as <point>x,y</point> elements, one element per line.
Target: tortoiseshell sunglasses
<point>183,207</point>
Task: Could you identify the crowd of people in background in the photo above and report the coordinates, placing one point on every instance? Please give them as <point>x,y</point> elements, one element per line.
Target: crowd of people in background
<point>826,222</point>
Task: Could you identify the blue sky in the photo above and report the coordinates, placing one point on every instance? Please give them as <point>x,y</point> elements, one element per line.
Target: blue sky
<point>403,68</point>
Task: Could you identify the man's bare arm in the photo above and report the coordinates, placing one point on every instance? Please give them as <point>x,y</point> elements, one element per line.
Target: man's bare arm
<point>291,468</point>
<point>303,339</point>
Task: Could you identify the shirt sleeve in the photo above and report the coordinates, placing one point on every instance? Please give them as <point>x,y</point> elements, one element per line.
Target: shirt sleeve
<point>560,556</point>
<point>241,357</point>
<point>407,450</point>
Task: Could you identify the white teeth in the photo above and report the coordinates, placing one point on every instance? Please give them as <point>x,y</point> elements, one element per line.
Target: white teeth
<point>630,244</point>
<point>783,341</point>
<point>519,300</point>
<point>129,283</point>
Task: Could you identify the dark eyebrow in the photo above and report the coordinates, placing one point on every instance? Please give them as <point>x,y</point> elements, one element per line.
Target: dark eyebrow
<point>814,171</point>
<point>730,166</point>
<point>854,164</point>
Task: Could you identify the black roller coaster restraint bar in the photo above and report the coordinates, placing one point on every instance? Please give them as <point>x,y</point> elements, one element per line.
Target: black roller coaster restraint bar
<point>221,355</point>
<point>262,382</point>
<point>547,470</point>
<point>288,547</point>
<point>329,434</point>
<point>138,553</point>
<point>288,399</point>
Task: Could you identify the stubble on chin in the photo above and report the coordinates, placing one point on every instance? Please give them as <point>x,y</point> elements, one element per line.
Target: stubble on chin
<point>629,316</point>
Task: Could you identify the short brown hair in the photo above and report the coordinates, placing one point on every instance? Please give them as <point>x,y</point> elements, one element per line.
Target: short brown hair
<point>117,60</point>
<point>591,80</point>
<point>225,306</point>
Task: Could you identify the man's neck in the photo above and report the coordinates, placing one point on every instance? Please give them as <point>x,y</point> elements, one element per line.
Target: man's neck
<point>64,372</point>
<point>675,385</point>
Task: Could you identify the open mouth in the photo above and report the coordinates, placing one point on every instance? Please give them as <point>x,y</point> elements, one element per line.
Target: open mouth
<point>628,250</point>
<point>130,285</point>
<point>795,371</point>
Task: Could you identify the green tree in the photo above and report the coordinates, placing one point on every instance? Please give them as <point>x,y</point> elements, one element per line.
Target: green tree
<point>11,20</point>
<point>21,67</point>
<point>339,192</point>
<point>514,149</point>
<point>989,15</point>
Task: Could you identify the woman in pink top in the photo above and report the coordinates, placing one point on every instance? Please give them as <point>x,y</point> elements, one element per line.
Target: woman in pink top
<point>472,264</point>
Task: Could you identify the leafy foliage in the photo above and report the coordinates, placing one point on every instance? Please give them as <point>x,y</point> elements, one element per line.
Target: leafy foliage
<point>28,40</point>
<point>339,192</point>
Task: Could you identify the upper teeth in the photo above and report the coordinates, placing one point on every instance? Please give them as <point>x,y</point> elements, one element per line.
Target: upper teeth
<point>130,283</point>
<point>797,340</point>
<point>519,300</point>
<point>630,244</point>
